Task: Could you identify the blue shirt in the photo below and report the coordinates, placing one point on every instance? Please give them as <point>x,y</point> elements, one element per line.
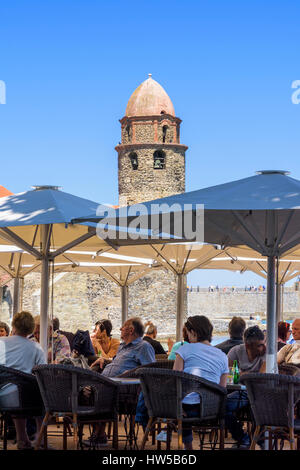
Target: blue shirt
<point>172,355</point>
<point>129,356</point>
<point>205,361</point>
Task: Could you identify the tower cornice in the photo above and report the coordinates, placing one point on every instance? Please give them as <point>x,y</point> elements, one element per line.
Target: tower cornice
<point>155,117</point>
<point>151,145</point>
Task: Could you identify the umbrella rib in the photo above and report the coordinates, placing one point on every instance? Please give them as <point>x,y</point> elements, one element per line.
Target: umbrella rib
<point>244,266</point>
<point>284,229</point>
<point>12,237</point>
<point>31,269</point>
<point>73,243</point>
<point>283,276</point>
<point>34,236</point>
<point>204,261</point>
<point>111,276</point>
<point>292,275</point>
<point>138,276</point>
<point>165,259</point>
<point>128,274</point>
<point>291,245</point>
<point>186,260</point>
<point>70,259</point>
<point>242,240</point>
<point>261,266</point>
<point>8,271</point>
<point>243,224</point>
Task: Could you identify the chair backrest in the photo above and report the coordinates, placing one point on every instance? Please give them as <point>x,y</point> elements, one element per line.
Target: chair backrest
<point>288,369</point>
<point>160,357</point>
<point>165,389</point>
<point>161,364</point>
<point>62,387</point>
<point>28,390</point>
<point>272,398</point>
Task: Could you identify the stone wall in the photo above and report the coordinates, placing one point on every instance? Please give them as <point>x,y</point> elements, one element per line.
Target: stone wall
<point>82,299</point>
<point>227,304</point>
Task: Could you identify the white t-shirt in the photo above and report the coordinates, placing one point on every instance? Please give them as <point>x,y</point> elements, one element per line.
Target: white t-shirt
<point>205,361</point>
<point>19,353</point>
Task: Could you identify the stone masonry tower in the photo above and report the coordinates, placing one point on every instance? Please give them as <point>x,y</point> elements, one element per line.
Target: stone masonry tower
<point>151,165</point>
<point>151,158</point>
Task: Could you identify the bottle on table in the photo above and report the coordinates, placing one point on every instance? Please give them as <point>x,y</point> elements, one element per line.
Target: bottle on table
<point>236,372</point>
<point>230,376</point>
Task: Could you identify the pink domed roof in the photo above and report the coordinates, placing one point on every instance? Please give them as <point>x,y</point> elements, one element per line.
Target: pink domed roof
<point>149,99</point>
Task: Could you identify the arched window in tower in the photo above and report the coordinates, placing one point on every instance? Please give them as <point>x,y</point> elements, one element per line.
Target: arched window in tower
<point>159,160</point>
<point>164,132</point>
<point>128,131</point>
<point>134,160</point>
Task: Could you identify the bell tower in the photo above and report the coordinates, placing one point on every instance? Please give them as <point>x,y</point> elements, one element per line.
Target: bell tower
<point>151,159</point>
<point>151,165</point>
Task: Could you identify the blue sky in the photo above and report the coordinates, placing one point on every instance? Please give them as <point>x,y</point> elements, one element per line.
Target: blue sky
<point>70,67</point>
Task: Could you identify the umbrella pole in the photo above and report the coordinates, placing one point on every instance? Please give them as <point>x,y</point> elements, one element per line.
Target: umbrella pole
<point>44,291</point>
<point>17,298</point>
<point>279,302</point>
<point>180,305</point>
<point>124,301</point>
<point>271,356</point>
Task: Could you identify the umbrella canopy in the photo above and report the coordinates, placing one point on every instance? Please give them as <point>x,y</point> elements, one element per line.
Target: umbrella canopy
<point>261,212</point>
<point>38,220</point>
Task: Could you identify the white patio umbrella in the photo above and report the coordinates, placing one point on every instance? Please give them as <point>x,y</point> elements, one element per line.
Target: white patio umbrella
<point>261,212</point>
<point>38,220</point>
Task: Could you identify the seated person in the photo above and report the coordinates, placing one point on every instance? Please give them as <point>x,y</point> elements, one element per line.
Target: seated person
<point>236,330</point>
<point>290,353</point>
<point>18,352</point>
<point>132,352</point>
<point>69,335</point>
<point>4,329</point>
<point>150,335</point>
<point>174,346</point>
<point>61,346</point>
<point>200,358</point>
<point>251,357</point>
<point>284,332</point>
<point>103,343</point>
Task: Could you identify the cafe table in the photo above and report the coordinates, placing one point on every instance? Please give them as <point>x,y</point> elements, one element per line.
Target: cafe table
<point>129,389</point>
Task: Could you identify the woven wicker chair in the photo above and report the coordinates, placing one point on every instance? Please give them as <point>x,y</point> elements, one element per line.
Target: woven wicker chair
<point>30,400</point>
<point>273,398</point>
<point>129,394</point>
<point>164,391</point>
<point>61,389</point>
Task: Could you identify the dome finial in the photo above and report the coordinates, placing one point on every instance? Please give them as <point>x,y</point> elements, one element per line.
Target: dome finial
<point>150,75</point>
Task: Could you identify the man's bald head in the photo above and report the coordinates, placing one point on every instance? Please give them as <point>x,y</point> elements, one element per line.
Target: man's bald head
<point>296,329</point>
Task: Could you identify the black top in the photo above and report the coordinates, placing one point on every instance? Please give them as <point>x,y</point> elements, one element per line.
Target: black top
<point>158,349</point>
<point>228,344</point>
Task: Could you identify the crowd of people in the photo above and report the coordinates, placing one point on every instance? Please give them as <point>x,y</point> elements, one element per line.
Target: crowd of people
<point>138,345</point>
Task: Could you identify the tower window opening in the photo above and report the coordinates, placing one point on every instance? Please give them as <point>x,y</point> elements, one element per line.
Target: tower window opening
<point>163,112</point>
<point>164,129</point>
<point>134,160</point>
<point>159,160</point>
<point>128,130</point>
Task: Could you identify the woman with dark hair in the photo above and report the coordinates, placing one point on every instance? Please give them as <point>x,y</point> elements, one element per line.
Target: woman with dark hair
<point>199,357</point>
<point>103,343</point>
<point>284,332</point>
